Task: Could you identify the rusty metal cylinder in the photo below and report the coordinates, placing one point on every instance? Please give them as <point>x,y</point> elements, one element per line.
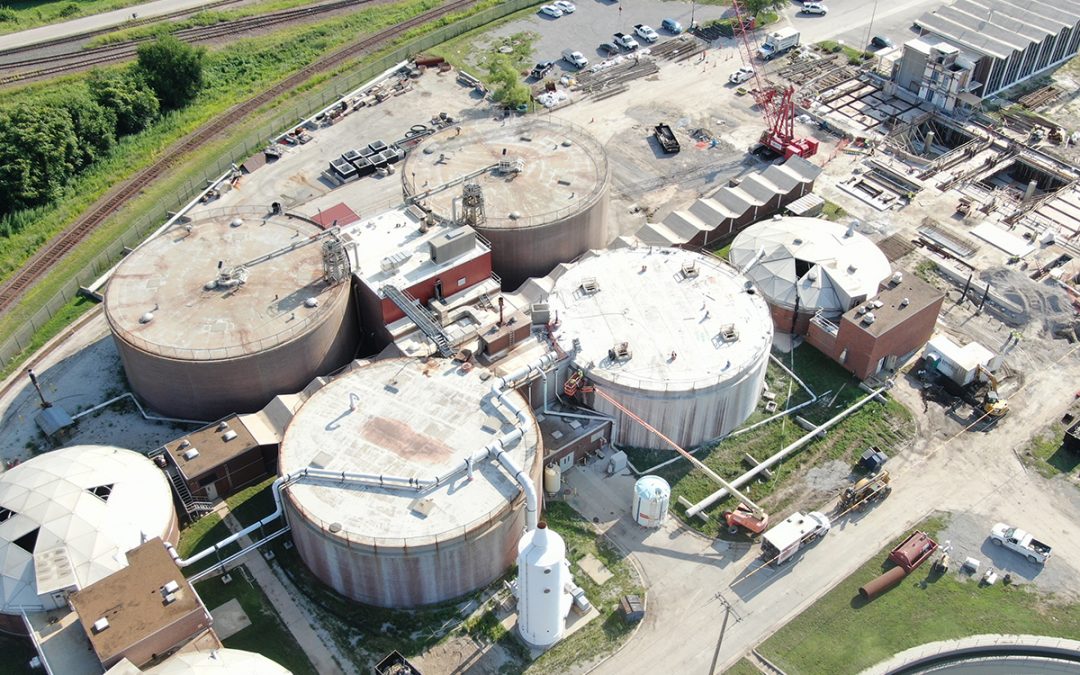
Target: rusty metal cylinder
<point>882,583</point>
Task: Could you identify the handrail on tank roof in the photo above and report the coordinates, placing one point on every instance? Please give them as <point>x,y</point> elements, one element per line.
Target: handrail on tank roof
<point>495,450</point>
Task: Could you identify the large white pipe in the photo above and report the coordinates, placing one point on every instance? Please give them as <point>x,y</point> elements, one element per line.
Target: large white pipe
<point>768,463</point>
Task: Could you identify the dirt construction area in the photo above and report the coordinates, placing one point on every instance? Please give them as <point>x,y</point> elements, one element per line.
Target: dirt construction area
<point>1007,273</point>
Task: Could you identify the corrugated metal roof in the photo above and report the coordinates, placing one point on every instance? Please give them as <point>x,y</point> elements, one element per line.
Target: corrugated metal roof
<point>998,27</point>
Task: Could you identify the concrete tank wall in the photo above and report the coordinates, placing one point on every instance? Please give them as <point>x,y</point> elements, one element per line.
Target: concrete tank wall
<point>518,254</point>
<point>689,417</point>
<point>403,573</point>
<point>213,388</point>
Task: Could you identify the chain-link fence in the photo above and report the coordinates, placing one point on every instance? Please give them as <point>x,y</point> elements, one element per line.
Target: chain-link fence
<point>286,117</point>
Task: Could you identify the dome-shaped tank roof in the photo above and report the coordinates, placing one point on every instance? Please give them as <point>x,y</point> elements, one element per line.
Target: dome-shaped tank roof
<point>218,662</point>
<point>686,319</point>
<point>810,263</point>
<point>67,518</point>
<point>652,487</point>
<point>214,289</point>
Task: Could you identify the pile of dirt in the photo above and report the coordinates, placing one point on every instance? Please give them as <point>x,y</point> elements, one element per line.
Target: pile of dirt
<point>1043,303</point>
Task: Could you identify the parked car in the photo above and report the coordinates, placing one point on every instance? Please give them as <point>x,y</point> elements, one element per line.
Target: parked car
<point>814,8</point>
<point>881,42</point>
<point>741,75</point>
<point>575,58</point>
<point>551,10</point>
<point>627,42</point>
<point>671,25</point>
<point>646,33</point>
<point>608,48</point>
<point>566,6</point>
<point>1020,541</point>
<point>541,69</point>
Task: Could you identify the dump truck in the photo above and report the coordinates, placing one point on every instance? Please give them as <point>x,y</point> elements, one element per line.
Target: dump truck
<point>666,137</point>
<point>778,42</point>
<point>1020,541</point>
<point>785,539</point>
<point>866,491</point>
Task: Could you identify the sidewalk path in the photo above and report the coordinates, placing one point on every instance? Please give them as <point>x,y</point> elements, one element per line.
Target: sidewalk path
<point>95,21</point>
<point>296,620</point>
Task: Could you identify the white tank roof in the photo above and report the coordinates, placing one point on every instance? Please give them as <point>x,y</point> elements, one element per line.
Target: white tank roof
<point>659,301</point>
<point>411,420</point>
<point>825,265</point>
<point>652,487</point>
<point>223,661</point>
<point>67,518</point>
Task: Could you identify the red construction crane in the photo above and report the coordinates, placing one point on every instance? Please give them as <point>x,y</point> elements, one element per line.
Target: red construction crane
<point>777,106</point>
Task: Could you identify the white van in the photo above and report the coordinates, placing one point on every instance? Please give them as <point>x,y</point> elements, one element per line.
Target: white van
<point>575,57</point>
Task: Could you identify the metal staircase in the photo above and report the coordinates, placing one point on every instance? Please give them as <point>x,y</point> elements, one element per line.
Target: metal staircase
<point>419,315</point>
<point>195,509</point>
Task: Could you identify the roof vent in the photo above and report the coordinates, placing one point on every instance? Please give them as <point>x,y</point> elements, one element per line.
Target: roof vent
<point>897,277</point>
<point>852,268</point>
<point>229,435</point>
<point>100,625</point>
<point>589,285</point>
<point>877,304</point>
<point>311,302</point>
<point>146,318</point>
<point>191,454</point>
<point>222,426</point>
<point>869,318</point>
<point>862,309</point>
<point>851,229</point>
<point>236,222</point>
<point>729,333</point>
<point>797,241</point>
<point>184,444</point>
<point>905,302</point>
<point>171,587</point>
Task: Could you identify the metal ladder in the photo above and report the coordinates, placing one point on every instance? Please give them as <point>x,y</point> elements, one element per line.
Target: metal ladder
<point>419,315</point>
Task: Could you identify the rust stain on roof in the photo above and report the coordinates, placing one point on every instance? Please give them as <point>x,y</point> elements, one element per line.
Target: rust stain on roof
<point>399,438</point>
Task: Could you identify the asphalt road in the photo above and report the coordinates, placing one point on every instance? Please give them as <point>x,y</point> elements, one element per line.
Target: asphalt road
<point>855,21</point>
<point>95,21</point>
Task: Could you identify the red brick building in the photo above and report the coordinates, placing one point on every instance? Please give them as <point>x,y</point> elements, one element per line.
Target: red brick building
<point>880,333</point>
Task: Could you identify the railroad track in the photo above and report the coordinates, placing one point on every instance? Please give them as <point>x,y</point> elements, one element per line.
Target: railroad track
<point>52,252</point>
<point>85,59</point>
<point>110,29</point>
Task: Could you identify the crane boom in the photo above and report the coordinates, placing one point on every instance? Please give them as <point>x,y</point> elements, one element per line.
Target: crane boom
<point>754,508</point>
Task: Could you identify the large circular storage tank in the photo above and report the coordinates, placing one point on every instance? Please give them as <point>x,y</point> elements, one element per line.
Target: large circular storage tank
<point>67,518</point>
<point>217,662</point>
<point>678,338</point>
<point>652,495</point>
<point>547,203</point>
<point>807,265</point>
<point>406,419</point>
<point>198,351</point>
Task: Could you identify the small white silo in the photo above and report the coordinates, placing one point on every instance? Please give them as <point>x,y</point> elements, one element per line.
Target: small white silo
<point>543,576</point>
<point>651,497</point>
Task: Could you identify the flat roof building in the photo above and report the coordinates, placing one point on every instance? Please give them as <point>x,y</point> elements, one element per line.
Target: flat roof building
<point>142,612</point>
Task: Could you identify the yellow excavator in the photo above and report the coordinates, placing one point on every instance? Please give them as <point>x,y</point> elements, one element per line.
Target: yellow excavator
<point>992,404</point>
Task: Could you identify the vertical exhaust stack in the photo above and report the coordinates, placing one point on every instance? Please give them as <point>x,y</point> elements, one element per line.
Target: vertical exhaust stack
<point>543,576</point>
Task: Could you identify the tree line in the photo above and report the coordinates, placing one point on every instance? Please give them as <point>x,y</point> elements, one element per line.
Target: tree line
<point>45,142</point>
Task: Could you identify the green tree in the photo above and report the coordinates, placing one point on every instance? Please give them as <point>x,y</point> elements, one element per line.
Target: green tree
<point>38,154</point>
<point>128,96</point>
<point>508,87</point>
<point>95,127</point>
<point>173,69</point>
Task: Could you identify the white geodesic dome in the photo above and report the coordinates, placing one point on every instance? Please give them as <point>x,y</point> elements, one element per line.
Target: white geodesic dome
<point>224,661</point>
<point>68,517</point>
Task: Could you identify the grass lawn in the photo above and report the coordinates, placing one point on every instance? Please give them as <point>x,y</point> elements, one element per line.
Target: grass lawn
<point>833,211</point>
<point>470,51</point>
<point>842,634</point>
<point>743,667</point>
<point>266,635</point>
<point>65,317</point>
<point>1047,453</point>
<point>888,425</point>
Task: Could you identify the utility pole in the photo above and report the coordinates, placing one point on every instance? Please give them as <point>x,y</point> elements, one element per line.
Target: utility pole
<point>869,27</point>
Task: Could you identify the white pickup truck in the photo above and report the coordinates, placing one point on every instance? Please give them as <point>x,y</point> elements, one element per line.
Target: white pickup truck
<point>1022,542</point>
<point>784,540</point>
